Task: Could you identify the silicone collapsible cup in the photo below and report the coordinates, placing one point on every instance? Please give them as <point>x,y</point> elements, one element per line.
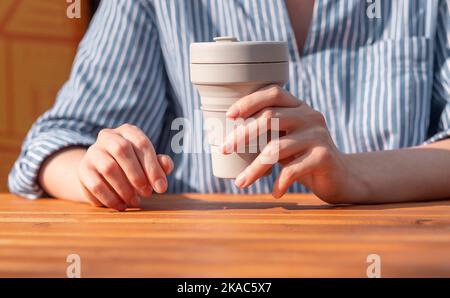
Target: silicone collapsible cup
<point>239,161</point>
<point>225,71</point>
<point>216,125</point>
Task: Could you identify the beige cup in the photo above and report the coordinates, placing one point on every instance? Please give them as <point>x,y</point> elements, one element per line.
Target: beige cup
<point>225,71</point>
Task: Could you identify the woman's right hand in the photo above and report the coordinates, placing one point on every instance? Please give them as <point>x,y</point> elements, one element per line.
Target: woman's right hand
<point>121,167</point>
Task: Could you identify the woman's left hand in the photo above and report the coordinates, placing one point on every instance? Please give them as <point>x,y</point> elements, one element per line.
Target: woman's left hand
<point>306,152</point>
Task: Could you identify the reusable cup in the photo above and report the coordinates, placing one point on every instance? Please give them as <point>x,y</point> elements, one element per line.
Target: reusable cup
<point>225,71</point>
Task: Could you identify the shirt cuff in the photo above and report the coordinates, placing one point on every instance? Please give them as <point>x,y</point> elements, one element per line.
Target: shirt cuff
<point>23,178</point>
<point>438,137</point>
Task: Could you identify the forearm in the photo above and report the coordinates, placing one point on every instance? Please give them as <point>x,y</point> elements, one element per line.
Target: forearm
<point>412,174</point>
<point>59,174</point>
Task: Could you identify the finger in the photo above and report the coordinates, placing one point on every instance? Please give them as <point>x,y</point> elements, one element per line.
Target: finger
<point>288,146</point>
<point>124,154</point>
<point>284,162</point>
<point>254,171</point>
<point>110,170</point>
<point>147,156</point>
<point>166,163</point>
<point>293,171</point>
<point>275,151</point>
<point>100,190</point>
<point>90,198</point>
<point>272,95</point>
<point>273,119</point>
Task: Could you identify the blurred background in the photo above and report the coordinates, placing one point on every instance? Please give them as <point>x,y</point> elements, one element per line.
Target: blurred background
<point>37,45</point>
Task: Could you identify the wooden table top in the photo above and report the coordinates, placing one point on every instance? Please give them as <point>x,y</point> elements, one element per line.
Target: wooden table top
<point>196,235</point>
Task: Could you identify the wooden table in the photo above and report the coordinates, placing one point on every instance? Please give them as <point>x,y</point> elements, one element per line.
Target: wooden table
<point>224,236</point>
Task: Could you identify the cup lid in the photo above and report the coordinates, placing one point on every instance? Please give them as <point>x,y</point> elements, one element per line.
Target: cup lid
<point>227,49</point>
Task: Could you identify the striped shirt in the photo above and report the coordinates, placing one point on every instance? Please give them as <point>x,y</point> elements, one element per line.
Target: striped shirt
<point>378,70</point>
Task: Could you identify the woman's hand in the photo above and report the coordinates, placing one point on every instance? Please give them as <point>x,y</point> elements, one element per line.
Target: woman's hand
<point>306,152</point>
<point>121,167</point>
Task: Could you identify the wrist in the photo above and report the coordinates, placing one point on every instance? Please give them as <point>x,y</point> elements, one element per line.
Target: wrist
<point>357,186</point>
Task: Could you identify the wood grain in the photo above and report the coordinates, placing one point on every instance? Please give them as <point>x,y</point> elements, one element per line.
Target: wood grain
<point>196,235</point>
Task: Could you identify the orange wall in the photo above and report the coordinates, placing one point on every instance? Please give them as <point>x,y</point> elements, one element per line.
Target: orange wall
<point>37,46</point>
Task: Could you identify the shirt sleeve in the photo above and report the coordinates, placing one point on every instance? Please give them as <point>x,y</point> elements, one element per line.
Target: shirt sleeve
<point>440,113</point>
<point>117,77</point>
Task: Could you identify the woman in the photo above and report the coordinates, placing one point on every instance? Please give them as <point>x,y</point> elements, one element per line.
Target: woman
<point>367,106</point>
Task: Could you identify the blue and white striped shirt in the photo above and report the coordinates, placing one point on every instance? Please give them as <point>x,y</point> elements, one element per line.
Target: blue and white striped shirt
<point>382,83</point>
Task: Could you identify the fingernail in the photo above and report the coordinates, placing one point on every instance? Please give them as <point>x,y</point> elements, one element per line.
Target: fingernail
<point>145,191</point>
<point>170,168</point>
<point>121,207</point>
<point>136,201</point>
<point>160,185</point>
<point>276,194</point>
<point>233,112</point>
<point>241,179</point>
